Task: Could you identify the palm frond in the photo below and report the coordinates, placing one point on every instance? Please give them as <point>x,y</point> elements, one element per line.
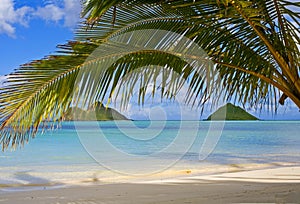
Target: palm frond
<point>49,86</point>
<point>216,27</point>
<point>37,92</point>
<point>129,45</point>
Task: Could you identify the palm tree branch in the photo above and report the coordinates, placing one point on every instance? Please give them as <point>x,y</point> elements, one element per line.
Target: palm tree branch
<point>131,25</point>
<point>284,89</point>
<point>278,57</point>
<point>282,24</point>
<point>34,94</point>
<point>43,83</point>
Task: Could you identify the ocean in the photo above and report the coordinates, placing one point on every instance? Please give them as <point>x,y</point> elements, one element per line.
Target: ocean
<point>84,153</point>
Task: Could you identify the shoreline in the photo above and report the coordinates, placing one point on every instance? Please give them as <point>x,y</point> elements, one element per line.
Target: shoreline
<point>277,185</point>
<point>179,173</point>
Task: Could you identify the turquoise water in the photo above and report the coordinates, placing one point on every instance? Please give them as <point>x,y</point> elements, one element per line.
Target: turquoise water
<point>88,152</point>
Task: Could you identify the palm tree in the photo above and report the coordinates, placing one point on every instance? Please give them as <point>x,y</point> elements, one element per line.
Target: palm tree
<point>254,45</point>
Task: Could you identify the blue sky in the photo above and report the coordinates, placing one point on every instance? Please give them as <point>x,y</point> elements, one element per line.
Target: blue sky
<point>31,29</point>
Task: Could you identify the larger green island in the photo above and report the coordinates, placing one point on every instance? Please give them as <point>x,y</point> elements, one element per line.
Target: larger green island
<point>97,112</point>
<point>231,112</point>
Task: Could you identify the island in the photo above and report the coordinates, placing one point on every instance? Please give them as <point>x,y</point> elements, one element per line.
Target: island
<point>96,112</point>
<point>231,112</point>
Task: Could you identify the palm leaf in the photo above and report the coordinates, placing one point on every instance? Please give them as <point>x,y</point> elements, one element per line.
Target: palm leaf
<point>37,92</point>
<point>219,39</point>
<point>254,44</point>
<point>50,86</point>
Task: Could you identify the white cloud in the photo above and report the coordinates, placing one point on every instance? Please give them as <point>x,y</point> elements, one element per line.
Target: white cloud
<point>68,13</point>
<point>50,13</point>
<point>2,80</point>
<point>9,16</point>
<point>72,10</point>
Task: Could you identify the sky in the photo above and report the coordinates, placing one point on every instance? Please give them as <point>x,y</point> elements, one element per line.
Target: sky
<point>32,29</point>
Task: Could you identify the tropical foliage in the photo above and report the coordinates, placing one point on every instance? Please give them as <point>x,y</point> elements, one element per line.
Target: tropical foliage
<point>254,45</point>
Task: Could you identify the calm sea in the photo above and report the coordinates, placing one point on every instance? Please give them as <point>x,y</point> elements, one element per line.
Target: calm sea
<point>104,152</point>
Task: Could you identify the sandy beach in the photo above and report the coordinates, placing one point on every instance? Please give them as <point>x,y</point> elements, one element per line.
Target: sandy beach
<point>277,185</point>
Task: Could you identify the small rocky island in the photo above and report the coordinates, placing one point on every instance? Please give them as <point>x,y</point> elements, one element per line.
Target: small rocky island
<point>231,112</point>
<point>96,112</point>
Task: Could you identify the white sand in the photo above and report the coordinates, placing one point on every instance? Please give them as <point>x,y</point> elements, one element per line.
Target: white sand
<point>278,185</point>
<point>272,175</point>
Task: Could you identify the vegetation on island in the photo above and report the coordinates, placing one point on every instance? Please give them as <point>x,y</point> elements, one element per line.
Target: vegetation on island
<point>97,112</point>
<point>254,45</point>
<point>231,112</point>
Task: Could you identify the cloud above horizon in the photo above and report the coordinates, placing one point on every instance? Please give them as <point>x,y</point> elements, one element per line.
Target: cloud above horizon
<point>2,80</point>
<point>9,16</point>
<point>67,13</point>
